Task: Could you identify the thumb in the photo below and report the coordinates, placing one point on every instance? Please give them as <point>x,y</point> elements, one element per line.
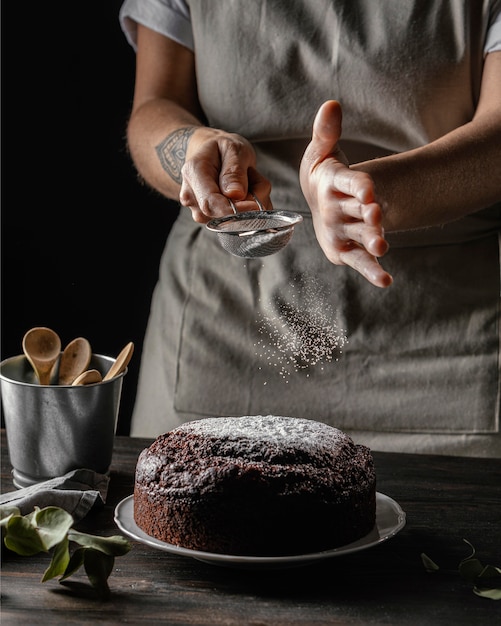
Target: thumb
<point>326,132</point>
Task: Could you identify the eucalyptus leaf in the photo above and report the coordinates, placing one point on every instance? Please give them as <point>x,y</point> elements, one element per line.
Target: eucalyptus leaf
<point>429,565</point>
<point>53,524</point>
<point>492,573</point>
<point>113,546</point>
<point>31,516</point>
<point>486,580</point>
<point>6,512</point>
<point>51,528</point>
<point>492,594</point>
<point>21,537</point>
<point>489,582</point>
<point>98,567</point>
<point>75,562</point>
<point>470,569</point>
<point>60,560</point>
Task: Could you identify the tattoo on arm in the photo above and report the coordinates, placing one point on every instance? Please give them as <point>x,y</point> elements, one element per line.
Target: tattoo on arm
<point>172,152</point>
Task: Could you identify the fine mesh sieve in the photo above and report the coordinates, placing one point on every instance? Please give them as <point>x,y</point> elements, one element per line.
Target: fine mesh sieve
<point>254,233</point>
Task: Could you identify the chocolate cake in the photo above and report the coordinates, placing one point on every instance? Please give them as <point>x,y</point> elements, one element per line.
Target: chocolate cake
<point>257,485</point>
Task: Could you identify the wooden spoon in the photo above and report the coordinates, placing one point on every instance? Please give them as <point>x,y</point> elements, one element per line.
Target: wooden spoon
<point>88,378</point>
<point>42,348</point>
<point>121,362</point>
<point>75,359</point>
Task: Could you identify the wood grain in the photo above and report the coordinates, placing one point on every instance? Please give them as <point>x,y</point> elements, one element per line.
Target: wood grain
<point>446,500</point>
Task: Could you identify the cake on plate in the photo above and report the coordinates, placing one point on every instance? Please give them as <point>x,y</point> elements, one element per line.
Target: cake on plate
<point>255,485</point>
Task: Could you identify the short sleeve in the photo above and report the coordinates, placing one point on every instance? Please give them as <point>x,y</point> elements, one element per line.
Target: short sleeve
<point>493,39</point>
<point>167,17</point>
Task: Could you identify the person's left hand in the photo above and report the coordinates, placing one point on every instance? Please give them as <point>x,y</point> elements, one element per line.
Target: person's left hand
<point>346,217</point>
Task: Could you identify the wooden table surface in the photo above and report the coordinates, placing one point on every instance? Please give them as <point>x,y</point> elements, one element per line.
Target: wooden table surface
<point>446,500</point>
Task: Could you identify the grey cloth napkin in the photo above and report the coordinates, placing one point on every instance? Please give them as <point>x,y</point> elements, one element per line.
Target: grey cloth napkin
<point>76,492</point>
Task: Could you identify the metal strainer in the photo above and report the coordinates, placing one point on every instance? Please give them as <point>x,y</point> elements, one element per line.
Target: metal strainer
<point>254,233</point>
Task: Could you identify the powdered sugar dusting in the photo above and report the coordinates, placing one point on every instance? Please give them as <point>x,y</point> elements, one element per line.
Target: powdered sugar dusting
<point>301,331</point>
<point>302,434</point>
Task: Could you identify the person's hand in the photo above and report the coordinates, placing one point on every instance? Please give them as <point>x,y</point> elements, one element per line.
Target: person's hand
<point>346,217</point>
<point>219,166</point>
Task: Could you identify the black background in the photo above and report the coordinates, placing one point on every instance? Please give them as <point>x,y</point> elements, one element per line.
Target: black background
<point>81,237</point>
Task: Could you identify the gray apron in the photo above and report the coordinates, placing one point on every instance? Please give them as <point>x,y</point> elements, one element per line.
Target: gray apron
<point>414,367</point>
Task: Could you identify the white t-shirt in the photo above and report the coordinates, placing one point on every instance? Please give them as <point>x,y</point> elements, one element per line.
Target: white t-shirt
<point>172,19</point>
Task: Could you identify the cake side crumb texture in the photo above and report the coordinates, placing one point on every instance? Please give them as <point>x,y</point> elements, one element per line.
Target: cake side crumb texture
<point>259,485</point>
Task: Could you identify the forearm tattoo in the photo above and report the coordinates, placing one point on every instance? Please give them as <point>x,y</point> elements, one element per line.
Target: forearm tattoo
<point>172,152</point>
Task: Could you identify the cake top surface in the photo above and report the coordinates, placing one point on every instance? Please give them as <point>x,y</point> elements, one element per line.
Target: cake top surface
<point>298,433</point>
<point>288,453</point>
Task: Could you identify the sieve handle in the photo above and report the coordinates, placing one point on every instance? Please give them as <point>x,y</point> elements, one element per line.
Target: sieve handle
<point>257,201</point>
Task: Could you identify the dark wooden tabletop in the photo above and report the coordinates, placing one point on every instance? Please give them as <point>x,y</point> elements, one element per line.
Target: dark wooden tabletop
<point>446,499</point>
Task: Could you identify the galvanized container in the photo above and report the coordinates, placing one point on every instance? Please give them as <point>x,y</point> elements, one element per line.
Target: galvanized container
<point>52,429</point>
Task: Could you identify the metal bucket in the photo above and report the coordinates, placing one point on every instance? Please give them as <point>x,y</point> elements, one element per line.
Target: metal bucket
<point>53,429</point>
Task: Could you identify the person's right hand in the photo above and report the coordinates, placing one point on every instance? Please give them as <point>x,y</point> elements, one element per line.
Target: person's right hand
<point>219,166</point>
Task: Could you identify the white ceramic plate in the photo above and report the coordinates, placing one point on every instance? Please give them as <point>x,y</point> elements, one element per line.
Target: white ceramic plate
<point>390,519</point>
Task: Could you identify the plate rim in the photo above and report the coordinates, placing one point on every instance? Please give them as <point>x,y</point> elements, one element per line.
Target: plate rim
<point>129,527</point>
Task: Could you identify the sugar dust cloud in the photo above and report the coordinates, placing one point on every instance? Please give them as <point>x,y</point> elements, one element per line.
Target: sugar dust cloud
<point>299,331</point>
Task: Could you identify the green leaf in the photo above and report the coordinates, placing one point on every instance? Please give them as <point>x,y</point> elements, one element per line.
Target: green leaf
<point>491,572</point>
<point>53,524</point>
<point>6,512</point>
<point>50,527</point>
<point>22,538</point>
<point>493,594</point>
<point>470,569</point>
<point>60,560</point>
<point>486,580</point>
<point>112,546</point>
<point>98,567</point>
<point>488,583</point>
<point>75,562</point>
<point>31,516</point>
<point>429,565</point>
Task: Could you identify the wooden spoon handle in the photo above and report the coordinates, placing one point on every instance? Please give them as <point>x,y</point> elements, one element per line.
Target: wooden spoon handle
<point>44,375</point>
<point>88,378</point>
<point>121,362</point>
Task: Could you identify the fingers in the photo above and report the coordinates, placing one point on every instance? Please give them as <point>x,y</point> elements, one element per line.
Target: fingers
<point>200,193</point>
<point>355,241</point>
<point>370,213</point>
<point>335,178</point>
<point>214,204</point>
<point>367,266</point>
<point>236,159</point>
<point>326,131</point>
<point>361,223</point>
<point>221,166</point>
<point>340,250</point>
<point>368,237</point>
<point>339,209</point>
